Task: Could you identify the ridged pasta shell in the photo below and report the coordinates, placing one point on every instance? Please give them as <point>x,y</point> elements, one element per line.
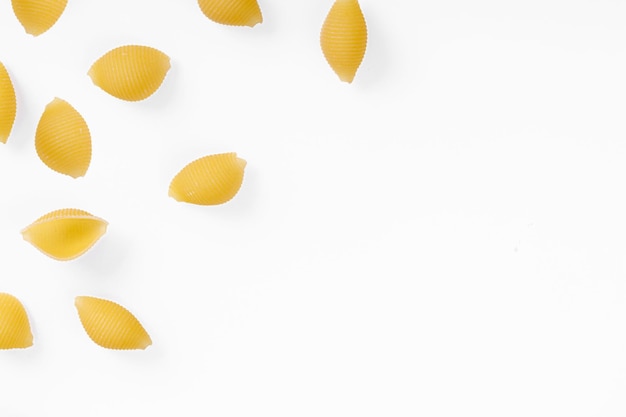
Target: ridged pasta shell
<point>110,325</point>
<point>210,180</point>
<point>66,233</point>
<point>62,139</point>
<point>232,12</point>
<point>344,38</point>
<point>8,105</point>
<point>14,325</point>
<point>131,72</point>
<point>37,16</point>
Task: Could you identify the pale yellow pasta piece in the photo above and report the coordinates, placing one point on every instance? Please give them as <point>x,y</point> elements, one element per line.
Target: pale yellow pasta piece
<point>8,104</point>
<point>37,16</point>
<point>66,233</point>
<point>14,325</point>
<point>62,139</point>
<point>131,72</point>
<point>344,38</point>
<point>110,325</point>
<point>210,180</point>
<point>232,12</point>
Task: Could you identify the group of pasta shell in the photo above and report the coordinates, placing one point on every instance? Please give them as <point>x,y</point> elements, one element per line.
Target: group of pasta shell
<point>343,37</point>
<point>107,324</point>
<point>63,143</point>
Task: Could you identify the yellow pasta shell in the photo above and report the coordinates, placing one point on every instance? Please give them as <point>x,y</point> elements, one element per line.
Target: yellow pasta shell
<point>232,12</point>
<point>210,180</point>
<point>66,233</point>
<point>131,72</point>
<point>344,38</point>
<point>62,139</point>
<point>8,105</point>
<point>14,325</point>
<point>37,16</point>
<point>110,325</point>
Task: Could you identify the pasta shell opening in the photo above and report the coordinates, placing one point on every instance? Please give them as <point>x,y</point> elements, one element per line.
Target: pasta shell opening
<point>62,140</point>
<point>130,72</point>
<point>37,16</point>
<point>110,325</point>
<point>8,104</point>
<point>65,234</point>
<point>232,12</point>
<point>210,180</point>
<point>15,330</point>
<point>344,38</point>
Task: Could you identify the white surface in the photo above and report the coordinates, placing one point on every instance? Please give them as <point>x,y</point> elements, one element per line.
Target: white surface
<point>444,237</point>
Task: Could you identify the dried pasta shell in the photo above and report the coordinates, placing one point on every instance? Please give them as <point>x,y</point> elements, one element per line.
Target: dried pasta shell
<point>210,180</point>
<point>62,139</point>
<point>8,104</point>
<point>66,233</point>
<point>14,325</point>
<point>344,38</point>
<point>232,12</point>
<point>130,72</point>
<point>110,325</point>
<point>37,16</point>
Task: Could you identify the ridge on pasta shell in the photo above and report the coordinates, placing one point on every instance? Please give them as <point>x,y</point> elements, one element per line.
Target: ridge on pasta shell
<point>8,104</point>
<point>15,330</point>
<point>110,325</point>
<point>65,234</point>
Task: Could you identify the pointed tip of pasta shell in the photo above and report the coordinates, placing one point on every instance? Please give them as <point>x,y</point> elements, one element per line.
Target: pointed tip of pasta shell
<point>15,332</point>
<point>111,325</point>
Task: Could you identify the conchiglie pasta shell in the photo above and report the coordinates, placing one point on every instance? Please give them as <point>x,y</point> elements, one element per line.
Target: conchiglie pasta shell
<point>232,12</point>
<point>344,38</point>
<point>110,325</point>
<point>14,325</point>
<point>37,16</point>
<point>8,105</point>
<point>130,72</point>
<point>66,233</point>
<point>62,139</point>
<point>210,180</point>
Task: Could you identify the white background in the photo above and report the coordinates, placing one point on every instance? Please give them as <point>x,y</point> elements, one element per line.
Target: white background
<point>446,236</point>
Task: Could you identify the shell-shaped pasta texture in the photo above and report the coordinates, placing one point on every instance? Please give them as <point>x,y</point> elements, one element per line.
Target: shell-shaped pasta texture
<point>344,38</point>
<point>14,325</point>
<point>210,180</point>
<point>37,16</point>
<point>66,233</point>
<point>232,12</point>
<point>8,104</point>
<point>62,140</point>
<point>110,325</point>
<point>130,72</point>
